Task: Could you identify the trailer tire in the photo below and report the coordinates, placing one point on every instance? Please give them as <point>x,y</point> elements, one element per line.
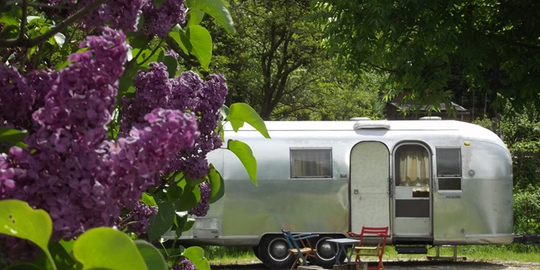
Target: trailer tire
<point>256,252</point>
<point>326,252</point>
<point>274,252</point>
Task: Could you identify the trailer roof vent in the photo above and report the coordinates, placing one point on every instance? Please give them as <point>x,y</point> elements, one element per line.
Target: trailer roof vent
<point>372,125</point>
<point>360,119</point>
<point>431,118</point>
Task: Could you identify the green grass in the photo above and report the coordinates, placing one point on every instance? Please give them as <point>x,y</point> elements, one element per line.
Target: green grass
<point>230,255</point>
<point>515,252</point>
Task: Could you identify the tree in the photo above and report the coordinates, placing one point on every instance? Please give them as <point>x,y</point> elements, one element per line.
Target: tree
<point>331,94</point>
<point>277,65</point>
<point>275,40</point>
<point>436,51</point>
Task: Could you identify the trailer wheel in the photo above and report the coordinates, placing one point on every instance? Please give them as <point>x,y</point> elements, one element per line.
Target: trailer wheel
<point>274,253</point>
<point>256,252</point>
<point>326,253</point>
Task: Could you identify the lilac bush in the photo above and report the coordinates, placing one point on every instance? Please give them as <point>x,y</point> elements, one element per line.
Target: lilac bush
<point>71,168</point>
<point>187,92</point>
<point>75,173</point>
<point>87,158</point>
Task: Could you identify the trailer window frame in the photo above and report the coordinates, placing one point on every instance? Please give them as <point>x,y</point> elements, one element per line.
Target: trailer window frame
<point>300,156</point>
<point>449,172</point>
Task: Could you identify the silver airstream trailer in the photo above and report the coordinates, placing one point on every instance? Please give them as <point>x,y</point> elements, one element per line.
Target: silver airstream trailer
<point>433,182</point>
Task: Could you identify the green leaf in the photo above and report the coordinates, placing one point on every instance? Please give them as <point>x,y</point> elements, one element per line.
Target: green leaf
<point>125,84</point>
<point>240,113</point>
<point>195,17</point>
<point>244,153</point>
<point>107,248</point>
<point>174,192</point>
<point>61,254</point>
<point>148,200</point>
<point>11,135</point>
<point>224,111</point>
<point>18,219</point>
<point>189,199</point>
<point>151,255</point>
<point>162,222</point>
<point>183,222</point>
<point>201,42</point>
<point>181,39</point>
<point>138,40</point>
<point>157,3</point>
<point>196,256</point>
<point>147,56</point>
<point>218,10</point>
<point>172,65</point>
<point>217,184</point>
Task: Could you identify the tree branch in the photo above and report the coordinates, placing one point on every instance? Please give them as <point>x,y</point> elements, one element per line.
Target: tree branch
<point>34,4</point>
<point>24,20</point>
<point>23,42</point>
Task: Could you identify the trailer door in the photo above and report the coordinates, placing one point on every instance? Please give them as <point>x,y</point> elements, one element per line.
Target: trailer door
<point>370,202</point>
<point>412,209</point>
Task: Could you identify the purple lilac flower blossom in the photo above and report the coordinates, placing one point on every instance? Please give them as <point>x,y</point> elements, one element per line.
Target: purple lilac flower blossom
<point>184,264</point>
<point>16,98</point>
<point>120,14</point>
<point>187,92</point>
<point>160,20</point>
<point>70,168</point>
<point>138,219</point>
<point>201,209</point>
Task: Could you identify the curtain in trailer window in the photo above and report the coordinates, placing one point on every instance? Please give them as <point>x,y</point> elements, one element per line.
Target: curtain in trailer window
<point>311,163</point>
<point>413,162</point>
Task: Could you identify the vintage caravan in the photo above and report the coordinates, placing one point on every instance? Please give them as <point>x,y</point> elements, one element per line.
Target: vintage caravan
<point>433,182</point>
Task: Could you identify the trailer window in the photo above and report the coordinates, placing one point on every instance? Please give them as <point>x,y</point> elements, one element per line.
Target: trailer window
<point>449,168</point>
<point>412,163</point>
<point>311,163</point>
<point>448,162</point>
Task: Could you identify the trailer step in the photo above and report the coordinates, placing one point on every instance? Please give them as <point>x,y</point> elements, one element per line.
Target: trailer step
<point>411,249</point>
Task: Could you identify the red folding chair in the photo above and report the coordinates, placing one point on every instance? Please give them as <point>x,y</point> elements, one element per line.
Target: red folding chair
<point>372,243</point>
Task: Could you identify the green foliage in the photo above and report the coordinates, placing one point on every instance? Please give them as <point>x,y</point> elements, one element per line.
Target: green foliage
<point>107,248</point>
<point>98,248</point>
<point>163,221</point>
<point>196,256</point>
<point>277,65</point>
<point>18,219</point>
<point>243,152</point>
<point>151,255</point>
<point>431,52</point>
<point>217,9</point>
<point>217,184</point>
<point>240,113</point>
<point>333,94</point>
<point>527,211</point>
<point>521,134</point>
<point>12,137</point>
